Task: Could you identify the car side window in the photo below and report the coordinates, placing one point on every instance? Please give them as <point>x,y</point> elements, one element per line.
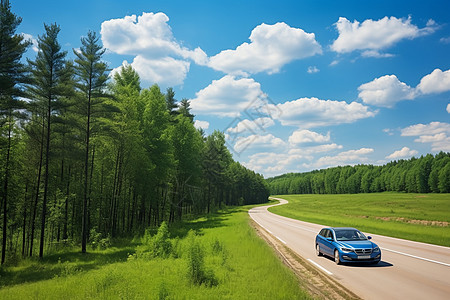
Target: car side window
<point>322,232</point>
<point>328,233</point>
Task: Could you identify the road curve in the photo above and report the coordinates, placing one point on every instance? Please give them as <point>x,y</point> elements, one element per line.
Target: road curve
<point>408,270</point>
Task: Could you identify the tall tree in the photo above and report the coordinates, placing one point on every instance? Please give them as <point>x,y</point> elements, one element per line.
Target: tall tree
<point>12,75</point>
<point>171,102</point>
<point>92,75</point>
<point>185,109</point>
<point>50,78</point>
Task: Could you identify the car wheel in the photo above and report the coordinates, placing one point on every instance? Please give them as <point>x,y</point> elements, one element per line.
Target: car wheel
<point>318,253</point>
<point>336,257</point>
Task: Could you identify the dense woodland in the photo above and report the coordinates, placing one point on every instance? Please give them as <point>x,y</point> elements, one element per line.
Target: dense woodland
<point>427,174</point>
<point>86,157</point>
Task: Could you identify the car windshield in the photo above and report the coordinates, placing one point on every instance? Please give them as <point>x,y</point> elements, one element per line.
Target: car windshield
<point>349,235</point>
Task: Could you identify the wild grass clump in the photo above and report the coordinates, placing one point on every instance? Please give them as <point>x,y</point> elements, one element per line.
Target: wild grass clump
<point>196,271</point>
<point>158,245</point>
<point>98,241</point>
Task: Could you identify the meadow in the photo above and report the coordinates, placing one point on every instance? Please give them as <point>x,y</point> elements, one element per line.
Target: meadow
<point>418,217</point>
<point>215,257</point>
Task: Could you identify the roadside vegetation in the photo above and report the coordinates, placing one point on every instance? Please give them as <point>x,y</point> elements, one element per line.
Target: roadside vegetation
<point>214,257</point>
<point>417,217</point>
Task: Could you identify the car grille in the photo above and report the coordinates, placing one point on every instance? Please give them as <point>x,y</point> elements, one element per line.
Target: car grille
<point>363,251</point>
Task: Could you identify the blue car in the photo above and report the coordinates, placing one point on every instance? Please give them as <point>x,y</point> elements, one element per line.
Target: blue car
<point>347,245</point>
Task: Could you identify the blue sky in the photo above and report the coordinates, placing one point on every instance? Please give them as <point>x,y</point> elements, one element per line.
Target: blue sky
<point>295,85</point>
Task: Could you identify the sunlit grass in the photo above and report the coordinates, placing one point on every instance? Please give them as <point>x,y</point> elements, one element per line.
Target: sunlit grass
<point>392,214</point>
<point>242,264</point>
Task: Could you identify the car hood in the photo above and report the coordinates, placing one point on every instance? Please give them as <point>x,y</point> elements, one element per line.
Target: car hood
<point>356,244</point>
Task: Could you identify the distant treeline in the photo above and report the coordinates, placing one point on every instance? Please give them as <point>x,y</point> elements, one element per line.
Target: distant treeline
<point>84,158</point>
<point>427,174</point>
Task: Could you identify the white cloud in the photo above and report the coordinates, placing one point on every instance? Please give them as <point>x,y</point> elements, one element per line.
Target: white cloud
<point>405,152</point>
<point>252,125</point>
<point>375,54</point>
<point>148,34</point>
<point>227,96</point>
<point>270,48</point>
<point>448,108</point>
<point>165,71</point>
<point>435,133</point>
<point>313,70</point>
<point>376,35</point>
<point>303,136</point>
<point>445,40</point>
<point>33,40</point>
<point>201,124</point>
<point>385,91</point>
<point>258,141</point>
<point>313,112</point>
<point>350,157</point>
<point>436,82</point>
<point>159,58</point>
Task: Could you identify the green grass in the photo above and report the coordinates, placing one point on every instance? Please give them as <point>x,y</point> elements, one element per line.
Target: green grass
<point>242,264</point>
<point>392,214</point>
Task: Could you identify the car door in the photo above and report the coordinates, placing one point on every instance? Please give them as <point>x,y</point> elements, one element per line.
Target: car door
<point>328,247</point>
<point>324,242</point>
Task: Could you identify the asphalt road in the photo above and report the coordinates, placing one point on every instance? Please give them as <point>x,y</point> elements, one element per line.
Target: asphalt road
<point>408,270</point>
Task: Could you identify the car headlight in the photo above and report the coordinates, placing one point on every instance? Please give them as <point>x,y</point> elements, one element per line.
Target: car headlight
<point>376,249</point>
<point>346,250</point>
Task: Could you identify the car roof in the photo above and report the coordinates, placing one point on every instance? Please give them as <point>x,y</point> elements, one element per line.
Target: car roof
<point>343,228</point>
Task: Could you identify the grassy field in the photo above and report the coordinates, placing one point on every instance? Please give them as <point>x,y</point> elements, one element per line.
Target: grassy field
<point>235,261</point>
<point>418,217</point>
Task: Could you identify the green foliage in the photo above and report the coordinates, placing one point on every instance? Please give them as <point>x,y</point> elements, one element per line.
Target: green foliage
<point>196,271</point>
<point>423,175</point>
<point>155,246</point>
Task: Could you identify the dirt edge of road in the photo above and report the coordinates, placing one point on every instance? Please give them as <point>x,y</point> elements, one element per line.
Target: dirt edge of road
<point>315,282</point>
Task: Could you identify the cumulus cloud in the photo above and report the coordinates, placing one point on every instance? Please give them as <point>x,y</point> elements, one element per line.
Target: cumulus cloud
<point>303,136</point>
<point>372,36</point>
<point>201,124</point>
<point>436,82</point>
<point>228,96</point>
<point>313,112</point>
<point>313,70</point>
<point>448,108</point>
<point>385,91</point>
<point>435,133</point>
<point>251,125</point>
<point>350,157</point>
<point>165,71</point>
<point>159,57</point>
<point>258,141</point>
<point>270,48</point>
<point>405,152</point>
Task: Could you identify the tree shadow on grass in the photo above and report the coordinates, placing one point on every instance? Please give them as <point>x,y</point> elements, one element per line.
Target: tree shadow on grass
<point>61,265</point>
<point>72,262</point>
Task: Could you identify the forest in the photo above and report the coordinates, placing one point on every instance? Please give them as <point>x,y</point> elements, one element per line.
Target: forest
<point>427,174</point>
<point>86,156</point>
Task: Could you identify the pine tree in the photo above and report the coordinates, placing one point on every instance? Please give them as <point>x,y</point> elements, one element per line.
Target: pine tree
<point>12,75</point>
<point>92,76</point>
<point>50,77</point>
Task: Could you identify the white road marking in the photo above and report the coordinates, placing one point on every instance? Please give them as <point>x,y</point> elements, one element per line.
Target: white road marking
<point>281,240</point>
<point>320,267</point>
<point>417,257</point>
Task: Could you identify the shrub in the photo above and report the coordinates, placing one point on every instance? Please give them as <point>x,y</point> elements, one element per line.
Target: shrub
<point>196,263</point>
<point>157,246</point>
